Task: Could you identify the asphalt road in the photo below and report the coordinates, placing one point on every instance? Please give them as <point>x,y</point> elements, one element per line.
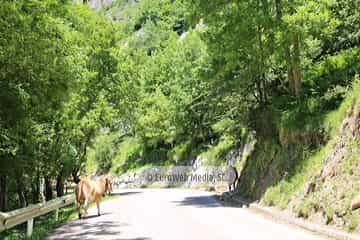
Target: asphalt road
<point>174,214</point>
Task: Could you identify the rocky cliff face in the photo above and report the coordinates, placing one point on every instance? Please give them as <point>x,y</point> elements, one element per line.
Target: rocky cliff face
<point>146,177</point>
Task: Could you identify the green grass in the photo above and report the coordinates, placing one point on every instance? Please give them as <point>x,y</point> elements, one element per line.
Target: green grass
<point>45,223</point>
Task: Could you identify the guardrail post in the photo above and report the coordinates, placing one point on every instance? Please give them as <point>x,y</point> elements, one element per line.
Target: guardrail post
<point>57,215</point>
<point>30,225</point>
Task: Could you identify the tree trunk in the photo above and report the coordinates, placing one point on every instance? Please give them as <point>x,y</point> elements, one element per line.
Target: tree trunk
<point>42,189</point>
<point>261,71</point>
<point>294,69</point>
<point>35,192</point>
<point>35,189</point>
<point>21,193</point>
<point>60,186</point>
<point>278,9</point>
<point>3,193</point>
<point>290,72</point>
<point>293,59</point>
<point>48,189</point>
<point>296,66</point>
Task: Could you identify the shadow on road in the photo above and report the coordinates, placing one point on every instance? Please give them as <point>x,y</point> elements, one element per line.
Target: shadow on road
<point>124,193</point>
<point>199,201</point>
<point>134,238</point>
<point>81,229</point>
<point>212,201</point>
<point>95,215</point>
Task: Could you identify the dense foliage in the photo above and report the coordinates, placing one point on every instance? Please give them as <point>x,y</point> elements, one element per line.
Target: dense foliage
<point>57,68</point>
<point>161,81</point>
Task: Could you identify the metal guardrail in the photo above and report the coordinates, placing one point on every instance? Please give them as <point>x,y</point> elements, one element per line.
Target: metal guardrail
<point>16,217</point>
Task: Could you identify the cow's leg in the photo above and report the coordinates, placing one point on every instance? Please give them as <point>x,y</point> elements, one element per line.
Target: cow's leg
<point>78,208</point>
<point>79,212</point>
<point>85,207</point>
<point>98,207</point>
<point>86,210</point>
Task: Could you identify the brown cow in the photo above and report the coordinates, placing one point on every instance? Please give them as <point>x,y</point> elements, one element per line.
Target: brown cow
<point>88,191</point>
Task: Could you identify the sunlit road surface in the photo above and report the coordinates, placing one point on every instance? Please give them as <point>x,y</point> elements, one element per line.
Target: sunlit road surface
<point>174,214</point>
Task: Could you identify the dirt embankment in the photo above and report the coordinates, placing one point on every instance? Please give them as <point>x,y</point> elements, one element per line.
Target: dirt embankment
<point>327,197</point>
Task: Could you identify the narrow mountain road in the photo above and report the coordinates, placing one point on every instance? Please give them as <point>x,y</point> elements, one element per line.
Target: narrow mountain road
<point>173,214</point>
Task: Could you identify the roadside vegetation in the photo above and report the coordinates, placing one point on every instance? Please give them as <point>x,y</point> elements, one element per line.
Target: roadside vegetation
<point>43,225</point>
<point>46,223</point>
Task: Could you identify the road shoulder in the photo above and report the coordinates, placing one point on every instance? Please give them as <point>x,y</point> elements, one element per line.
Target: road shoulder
<point>281,217</point>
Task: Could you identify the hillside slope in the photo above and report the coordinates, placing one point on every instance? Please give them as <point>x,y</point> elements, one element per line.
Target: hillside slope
<point>326,197</point>
<point>318,182</point>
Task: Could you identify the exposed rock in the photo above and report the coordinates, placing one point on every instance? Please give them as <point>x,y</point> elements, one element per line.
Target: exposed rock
<point>234,156</point>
